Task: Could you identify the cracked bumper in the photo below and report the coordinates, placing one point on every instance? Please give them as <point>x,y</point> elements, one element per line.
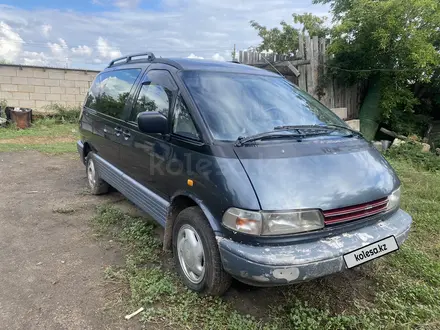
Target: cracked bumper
<point>280,265</point>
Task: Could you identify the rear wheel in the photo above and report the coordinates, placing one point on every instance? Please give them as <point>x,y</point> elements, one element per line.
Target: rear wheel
<point>96,184</point>
<point>196,254</point>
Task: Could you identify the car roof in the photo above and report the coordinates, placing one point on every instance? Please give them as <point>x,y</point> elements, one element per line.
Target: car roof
<point>191,64</point>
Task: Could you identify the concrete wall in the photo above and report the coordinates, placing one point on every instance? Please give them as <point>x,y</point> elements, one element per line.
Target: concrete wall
<point>36,87</point>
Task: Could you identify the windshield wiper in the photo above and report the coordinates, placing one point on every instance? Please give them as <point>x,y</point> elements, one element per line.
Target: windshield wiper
<point>263,136</point>
<point>302,128</point>
<point>353,131</point>
<point>302,131</point>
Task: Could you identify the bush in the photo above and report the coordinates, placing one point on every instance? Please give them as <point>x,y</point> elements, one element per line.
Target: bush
<point>408,123</point>
<point>435,141</point>
<point>411,152</point>
<point>65,114</point>
<point>3,105</point>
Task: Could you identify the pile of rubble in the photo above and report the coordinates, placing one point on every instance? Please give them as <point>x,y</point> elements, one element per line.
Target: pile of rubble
<point>401,139</point>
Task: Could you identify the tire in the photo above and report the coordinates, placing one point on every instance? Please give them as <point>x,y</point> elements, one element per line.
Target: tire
<point>192,230</point>
<point>96,184</point>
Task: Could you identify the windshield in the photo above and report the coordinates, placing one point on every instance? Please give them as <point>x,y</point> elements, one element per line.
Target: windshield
<point>235,105</point>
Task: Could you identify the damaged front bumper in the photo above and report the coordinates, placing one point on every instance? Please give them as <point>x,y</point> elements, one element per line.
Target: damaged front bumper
<point>280,265</point>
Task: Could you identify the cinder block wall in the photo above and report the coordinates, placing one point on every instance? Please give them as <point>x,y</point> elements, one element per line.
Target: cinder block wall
<point>36,87</point>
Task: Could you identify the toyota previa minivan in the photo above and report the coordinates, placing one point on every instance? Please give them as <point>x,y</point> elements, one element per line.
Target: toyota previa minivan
<point>250,177</point>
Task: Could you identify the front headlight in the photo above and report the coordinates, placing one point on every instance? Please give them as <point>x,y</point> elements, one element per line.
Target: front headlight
<point>394,200</point>
<point>272,223</point>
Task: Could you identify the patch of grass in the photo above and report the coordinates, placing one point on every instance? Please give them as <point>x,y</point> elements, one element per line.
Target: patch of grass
<point>410,153</point>
<point>51,148</point>
<point>45,135</point>
<point>41,127</point>
<point>64,114</point>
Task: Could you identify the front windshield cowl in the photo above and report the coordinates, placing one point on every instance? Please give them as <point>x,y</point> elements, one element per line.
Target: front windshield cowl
<point>241,104</point>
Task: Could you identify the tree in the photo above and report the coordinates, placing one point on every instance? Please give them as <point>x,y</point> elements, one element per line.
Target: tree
<point>311,24</point>
<point>392,43</point>
<point>285,40</point>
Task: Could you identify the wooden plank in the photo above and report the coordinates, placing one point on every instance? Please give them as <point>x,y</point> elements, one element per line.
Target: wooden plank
<point>308,54</point>
<point>354,124</point>
<point>302,69</point>
<point>297,62</point>
<point>301,46</point>
<point>323,70</point>
<point>348,100</point>
<point>294,62</point>
<point>293,69</point>
<point>314,63</point>
<point>332,94</point>
<point>341,112</point>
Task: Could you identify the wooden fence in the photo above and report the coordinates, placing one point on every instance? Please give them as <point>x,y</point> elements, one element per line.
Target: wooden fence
<point>306,69</point>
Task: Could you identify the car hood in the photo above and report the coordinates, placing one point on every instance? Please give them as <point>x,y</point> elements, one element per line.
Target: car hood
<point>324,174</point>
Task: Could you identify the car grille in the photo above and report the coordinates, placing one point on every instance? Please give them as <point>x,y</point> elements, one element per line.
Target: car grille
<point>355,212</point>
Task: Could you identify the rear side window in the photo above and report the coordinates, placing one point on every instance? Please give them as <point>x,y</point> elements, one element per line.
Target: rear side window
<point>110,91</point>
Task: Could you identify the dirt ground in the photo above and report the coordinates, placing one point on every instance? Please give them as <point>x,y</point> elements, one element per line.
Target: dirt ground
<point>51,265</point>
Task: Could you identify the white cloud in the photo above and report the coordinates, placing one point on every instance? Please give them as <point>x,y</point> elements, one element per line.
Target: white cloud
<point>126,4</point>
<point>34,58</point>
<point>218,57</point>
<point>46,29</point>
<point>58,49</point>
<point>10,43</point>
<point>195,56</point>
<point>105,50</point>
<point>82,50</point>
<point>59,53</point>
<point>179,28</point>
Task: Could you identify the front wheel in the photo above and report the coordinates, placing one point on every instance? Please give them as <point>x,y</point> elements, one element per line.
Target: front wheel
<point>196,254</point>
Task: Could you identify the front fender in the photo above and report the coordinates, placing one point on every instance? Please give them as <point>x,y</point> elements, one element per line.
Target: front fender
<point>214,223</point>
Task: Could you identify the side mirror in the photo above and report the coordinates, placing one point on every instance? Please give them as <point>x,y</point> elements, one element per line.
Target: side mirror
<point>152,122</point>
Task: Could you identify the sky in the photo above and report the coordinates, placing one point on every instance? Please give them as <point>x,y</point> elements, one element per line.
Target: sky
<point>89,33</point>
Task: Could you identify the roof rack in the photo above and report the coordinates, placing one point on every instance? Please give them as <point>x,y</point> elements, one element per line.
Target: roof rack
<point>128,58</point>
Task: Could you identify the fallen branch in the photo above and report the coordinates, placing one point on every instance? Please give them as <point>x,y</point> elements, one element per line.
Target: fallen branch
<point>392,134</point>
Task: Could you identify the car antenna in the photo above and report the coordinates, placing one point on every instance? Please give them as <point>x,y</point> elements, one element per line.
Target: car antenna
<point>264,58</point>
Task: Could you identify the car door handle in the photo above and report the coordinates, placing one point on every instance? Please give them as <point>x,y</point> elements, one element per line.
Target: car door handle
<point>126,134</point>
<point>118,131</point>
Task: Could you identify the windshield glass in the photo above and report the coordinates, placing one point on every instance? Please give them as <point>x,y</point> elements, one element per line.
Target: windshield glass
<point>236,105</point>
